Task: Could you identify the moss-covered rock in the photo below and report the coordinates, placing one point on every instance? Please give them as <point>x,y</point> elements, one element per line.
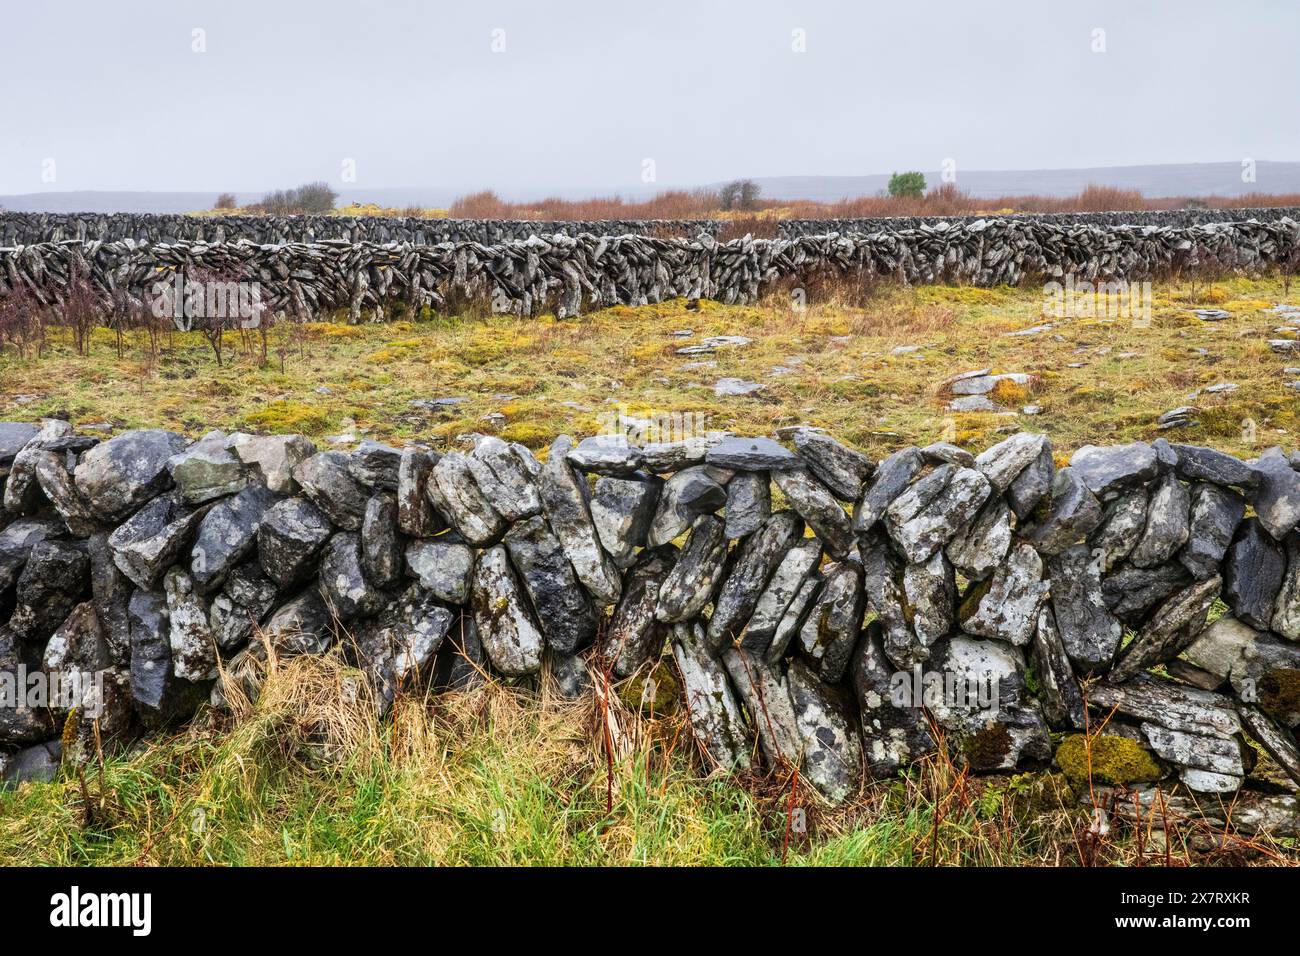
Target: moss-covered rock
<point>1115,760</point>
<point>656,693</point>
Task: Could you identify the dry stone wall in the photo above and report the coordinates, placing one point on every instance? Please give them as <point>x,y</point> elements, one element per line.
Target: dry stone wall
<point>17,229</point>
<point>935,591</point>
<point>1168,218</point>
<point>572,274</point>
<point>27,228</point>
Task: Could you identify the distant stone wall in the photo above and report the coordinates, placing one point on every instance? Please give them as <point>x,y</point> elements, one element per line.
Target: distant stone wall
<point>27,228</point>
<point>573,274</point>
<point>31,228</point>
<point>1169,218</point>
<point>888,601</point>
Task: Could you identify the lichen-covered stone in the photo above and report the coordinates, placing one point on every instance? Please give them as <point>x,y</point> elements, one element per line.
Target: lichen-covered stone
<point>1276,499</point>
<point>749,503</point>
<point>1058,690</point>
<point>691,583</point>
<point>929,514</point>
<point>686,495</point>
<point>1105,471</point>
<point>510,636</point>
<point>227,534</point>
<point>782,587</point>
<point>565,502</point>
<point>273,458</point>
<point>381,545</point>
<point>765,693</point>
<point>117,476</point>
<point>459,501</point>
<point>443,566</point>
<point>841,469</point>
<point>818,507</point>
<point>193,650</point>
<point>635,635</point>
<point>892,475</point>
<point>1252,574</point>
<point>715,716</point>
<point>755,561</point>
<point>1123,523</point>
<point>564,610</point>
<point>830,632</point>
<point>978,548</point>
<point>289,539</point>
<point>506,475</point>
<point>832,749</point>
<point>1007,607</point>
<point>1215,514</point>
<point>416,515</point>
<point>622,509</point>
<point>1171,628</point>
<point>1074,513</point>
<point>1087,629</point>
<point>343,584</point>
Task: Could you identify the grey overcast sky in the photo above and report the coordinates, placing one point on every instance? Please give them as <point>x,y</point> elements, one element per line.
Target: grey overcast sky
<point>584,91</point>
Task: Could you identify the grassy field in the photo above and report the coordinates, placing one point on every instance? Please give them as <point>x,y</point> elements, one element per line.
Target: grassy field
<point>515,775</point>
<point>834,365</point>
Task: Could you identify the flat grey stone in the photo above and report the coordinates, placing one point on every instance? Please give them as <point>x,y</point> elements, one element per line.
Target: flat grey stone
<point>749,502</point>
<point>289,538</point>
<point>1007,608</point>
<point>326,478</point>
<point>1107,470</point>
<point>841,469</point>
<point>1215,514</point>
<point>622,509</point>
<point>510,636</point>
<point>931,512</point>
<point>443,567</point>
<point>751,454</point>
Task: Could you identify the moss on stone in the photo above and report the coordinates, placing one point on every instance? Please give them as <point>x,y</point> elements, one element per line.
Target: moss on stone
<point>1279,692</point>
<point>988,748</point>
<point>1115,760</point>
<point>660,698</point>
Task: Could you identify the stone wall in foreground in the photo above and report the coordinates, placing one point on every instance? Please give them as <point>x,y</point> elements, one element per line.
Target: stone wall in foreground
<point>573,274</point>
<point>995,590</point>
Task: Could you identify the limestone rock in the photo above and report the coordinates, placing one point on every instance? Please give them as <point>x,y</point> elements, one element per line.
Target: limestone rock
<point>274,458</point>
<point>457,498</point>
<point>227,534</point>
<point>893,734</point>
<point>416,516</point>
<point>117,476</point>
<point>326,478</point>
<point>1276,500</point>
<point>1167,524</point>
<point>1058,690</point>
<point>1253,572</point>
<point>565,502</point>
<point>443,565</point>
<point>841,469</point>
<point>686,495</point>
<point>892,475</point>
<point>635,635</point>
<point>1124,522</point>
<point>246,598</point>
<point>756,559</point>
<point>1106,471</point>
<point>622,509</point>
<point>1171,628</point>
<point>832,749</point>
<point>1075,513</point>
<point>506,476</point>
<point>505,626</point>
<point>716,718</point>
<point>690,585</point>
<point>1215,514</point>
<point>978,548</point>
<point>564,610</point>
<point>765,693</point>
<point>289,539</point>
<point>830,632</point>
<point>787,579</point>
<point>343,583</point>
<point>751,454</point>
<point>749,503</point>
<point>381,545</point>
<point>931,512</point>
<point>1007,608</point>
<point>207,469</point>
<point>1084,625</point>
<point>152,539</point>
<point>193,651</point>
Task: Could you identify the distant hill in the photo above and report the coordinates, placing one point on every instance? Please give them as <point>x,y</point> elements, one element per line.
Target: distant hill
<point>1176,179</point>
